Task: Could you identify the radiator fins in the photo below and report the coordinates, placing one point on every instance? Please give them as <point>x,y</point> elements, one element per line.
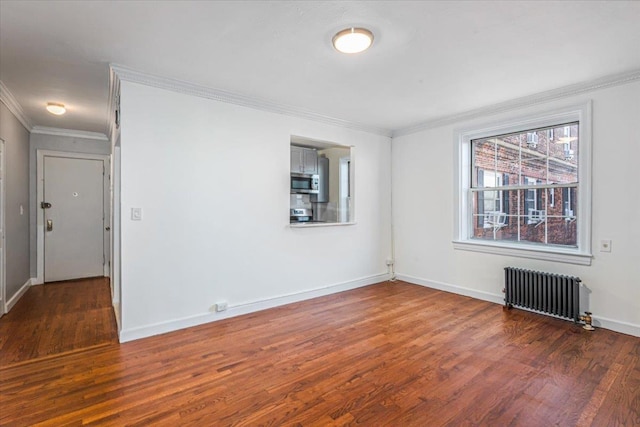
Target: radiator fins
<point>544,292</point>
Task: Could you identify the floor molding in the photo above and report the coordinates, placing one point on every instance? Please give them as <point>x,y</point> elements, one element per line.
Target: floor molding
<point>598,322</point>
<point>245,308</point>
<point>447,287</point>
<point>16,297</point>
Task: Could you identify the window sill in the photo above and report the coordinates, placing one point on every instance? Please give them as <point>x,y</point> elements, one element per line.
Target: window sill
<point>319,224</point>
<point>546,254</point>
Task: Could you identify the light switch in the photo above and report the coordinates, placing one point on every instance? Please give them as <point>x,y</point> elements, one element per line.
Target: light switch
<point>136,214</point>
<point>21,210</point>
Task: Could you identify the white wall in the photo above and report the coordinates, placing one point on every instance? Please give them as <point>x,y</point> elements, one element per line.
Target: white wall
<point>16,139</point>
<point>69,144</point>
<point>423,210</point>
<point>213,182</point>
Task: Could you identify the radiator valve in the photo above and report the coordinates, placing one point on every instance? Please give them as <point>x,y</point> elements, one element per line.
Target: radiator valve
<point>587,319</point>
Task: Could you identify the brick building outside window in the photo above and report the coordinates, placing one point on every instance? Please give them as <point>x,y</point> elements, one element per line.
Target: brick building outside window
<point>524,186</point>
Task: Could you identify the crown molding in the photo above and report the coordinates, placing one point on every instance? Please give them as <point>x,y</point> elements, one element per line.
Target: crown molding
<point>127,74</point>
<point>72,133</point>
<point>526,101</point>
<point>113,102</point>
<point>8,99</point>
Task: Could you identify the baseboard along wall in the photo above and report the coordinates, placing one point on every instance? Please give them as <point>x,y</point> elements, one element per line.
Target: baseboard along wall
<point>234,310</point>
<point>598,322</point>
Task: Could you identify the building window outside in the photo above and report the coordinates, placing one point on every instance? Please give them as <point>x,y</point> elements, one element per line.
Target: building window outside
<point>524,168</point>
<point>521,186</point>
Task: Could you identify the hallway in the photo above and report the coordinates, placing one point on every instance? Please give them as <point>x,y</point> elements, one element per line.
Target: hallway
<point>58,318</point>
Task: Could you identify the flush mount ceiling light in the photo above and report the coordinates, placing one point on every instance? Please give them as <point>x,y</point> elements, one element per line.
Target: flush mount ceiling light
<point>353,40</point>
<point>55,108</point>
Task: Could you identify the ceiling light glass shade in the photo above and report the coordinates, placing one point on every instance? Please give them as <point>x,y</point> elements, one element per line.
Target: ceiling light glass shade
<point>353,40</point>
<point>55,108</point>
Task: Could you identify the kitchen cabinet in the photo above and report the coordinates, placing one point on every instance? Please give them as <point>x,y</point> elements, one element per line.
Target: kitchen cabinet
<point>304,160</point>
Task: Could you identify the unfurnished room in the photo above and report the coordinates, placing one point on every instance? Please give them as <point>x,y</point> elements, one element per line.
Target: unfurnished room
<point>319,213</point>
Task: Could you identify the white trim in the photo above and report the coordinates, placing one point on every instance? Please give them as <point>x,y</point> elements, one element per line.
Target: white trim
<point>616,325</point>
<point>447,287</point>
<point>462,226</point>
<point>245,308</point>
<point>10,101</point>
<point>526,101</point>
<point>598,322</point>
<point>3,231</point>
<point>40,155</point>
<point>112,103</point>
<point>130,75</point>
<point>44,130</point>
<point>319,224</point>
<point>116,312</point>
<point>524,251</point>
<point>15,298</point>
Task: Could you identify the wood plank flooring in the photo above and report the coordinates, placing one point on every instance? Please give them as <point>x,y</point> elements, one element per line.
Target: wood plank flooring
<point>58,318</point>
<point>391,354</point>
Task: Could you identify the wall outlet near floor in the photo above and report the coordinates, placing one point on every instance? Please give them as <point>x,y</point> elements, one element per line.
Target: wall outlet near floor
<point>221,306</point>
<point>605,245</point>
<point>389,261</point>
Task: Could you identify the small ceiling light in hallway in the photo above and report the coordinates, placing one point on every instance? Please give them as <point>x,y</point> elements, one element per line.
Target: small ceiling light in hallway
<point>55,108</point>
<point>353,40</point>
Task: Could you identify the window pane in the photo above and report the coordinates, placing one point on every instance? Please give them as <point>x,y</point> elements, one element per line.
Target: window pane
<point>534,146</point>
<point>495,215</point>
<point>561,231</point>
<point>484,152</point>
<point>533,158</point>
<point>563,155</point>
<point>508,159</point>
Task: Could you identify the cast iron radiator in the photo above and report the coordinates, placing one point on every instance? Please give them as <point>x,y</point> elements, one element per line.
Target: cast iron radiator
<point>549,293</point>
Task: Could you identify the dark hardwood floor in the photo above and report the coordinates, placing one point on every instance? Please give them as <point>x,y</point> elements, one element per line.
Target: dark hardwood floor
<point>58,318</point>
<point>391,354</point>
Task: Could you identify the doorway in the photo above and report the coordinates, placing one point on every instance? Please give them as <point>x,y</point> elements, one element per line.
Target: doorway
<point>3,292</point>
<point>73,232</point>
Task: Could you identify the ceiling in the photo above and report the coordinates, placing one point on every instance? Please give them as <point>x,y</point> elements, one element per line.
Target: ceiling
<point>429,59</point>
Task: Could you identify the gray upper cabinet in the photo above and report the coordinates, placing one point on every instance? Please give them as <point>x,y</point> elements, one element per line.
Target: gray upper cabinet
<point>304,160</point>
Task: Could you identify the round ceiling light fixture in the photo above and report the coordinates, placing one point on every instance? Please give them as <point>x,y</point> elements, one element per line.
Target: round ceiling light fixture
<point>56,108</point>
<point>353,40</point>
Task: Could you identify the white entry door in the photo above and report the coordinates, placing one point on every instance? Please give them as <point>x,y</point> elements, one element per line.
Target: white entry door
<point>73,218</point>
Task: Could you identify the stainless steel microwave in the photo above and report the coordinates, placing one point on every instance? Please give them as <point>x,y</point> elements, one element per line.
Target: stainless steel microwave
<point>302,183</point>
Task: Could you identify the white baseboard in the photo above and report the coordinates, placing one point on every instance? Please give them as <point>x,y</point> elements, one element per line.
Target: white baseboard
<point>16,297</point>
<point>460,290</point>
<point>598,322</point>
<point>616,325</point>
<point>246,308</point>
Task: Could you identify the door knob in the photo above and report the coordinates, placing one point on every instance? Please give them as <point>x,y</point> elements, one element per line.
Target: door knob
<point>49,225</point>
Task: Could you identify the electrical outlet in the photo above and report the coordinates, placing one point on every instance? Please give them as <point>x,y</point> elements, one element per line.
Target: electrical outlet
<point>389,261</point>
<point>605,245</point>
<point>221,306</point>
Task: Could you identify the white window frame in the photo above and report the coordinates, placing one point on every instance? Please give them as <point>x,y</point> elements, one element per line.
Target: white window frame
<point>463,209</point>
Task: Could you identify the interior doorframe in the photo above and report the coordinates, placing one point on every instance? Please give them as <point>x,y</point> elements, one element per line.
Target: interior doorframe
<point>3,211</point>
<point>106,203</point>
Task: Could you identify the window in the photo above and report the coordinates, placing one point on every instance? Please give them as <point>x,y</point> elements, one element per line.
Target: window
<point>523,187</point>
